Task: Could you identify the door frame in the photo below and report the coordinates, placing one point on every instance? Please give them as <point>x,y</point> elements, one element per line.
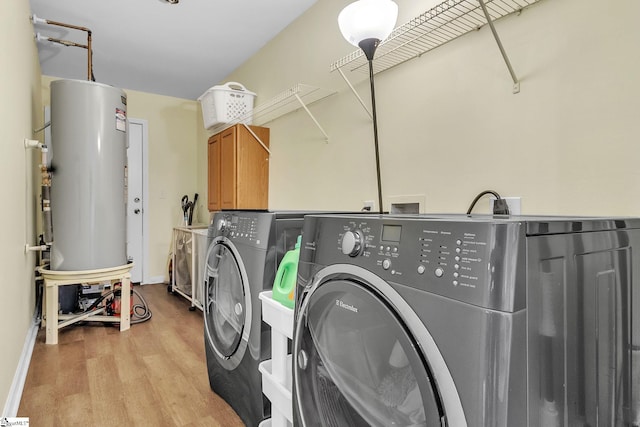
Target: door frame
<point>145,202</point>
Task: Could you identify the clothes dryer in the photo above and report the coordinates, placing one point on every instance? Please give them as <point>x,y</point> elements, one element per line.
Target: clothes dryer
<point>466,321</point>
<point>244,250</point>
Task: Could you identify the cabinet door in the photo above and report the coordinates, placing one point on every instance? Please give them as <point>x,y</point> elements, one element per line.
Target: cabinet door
<point>213,173</point>
<point>252,168</point>
<point>228,176</point>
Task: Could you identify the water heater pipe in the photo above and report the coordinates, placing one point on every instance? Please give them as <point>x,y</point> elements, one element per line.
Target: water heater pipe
<point>46,193</point>
<point>87,46</point>
<point>28,248</point>
<point>33,143</point>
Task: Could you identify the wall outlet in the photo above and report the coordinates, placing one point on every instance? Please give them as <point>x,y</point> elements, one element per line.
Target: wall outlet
<point>368,205</point>
<point>513,202</point>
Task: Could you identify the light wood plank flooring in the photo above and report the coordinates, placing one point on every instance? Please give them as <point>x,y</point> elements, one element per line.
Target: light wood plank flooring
<point>152,375</point>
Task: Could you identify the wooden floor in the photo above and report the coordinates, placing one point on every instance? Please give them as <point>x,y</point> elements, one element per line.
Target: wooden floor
<point>152,375</point>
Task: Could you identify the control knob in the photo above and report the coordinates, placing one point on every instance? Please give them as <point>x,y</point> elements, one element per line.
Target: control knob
<point>352,243</point>
<point>222,224</point>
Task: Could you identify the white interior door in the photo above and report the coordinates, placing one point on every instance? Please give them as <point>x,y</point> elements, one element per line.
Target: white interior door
<point>137,240</point>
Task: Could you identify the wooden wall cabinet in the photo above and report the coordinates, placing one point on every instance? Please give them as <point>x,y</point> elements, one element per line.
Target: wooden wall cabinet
<point>238,169</point>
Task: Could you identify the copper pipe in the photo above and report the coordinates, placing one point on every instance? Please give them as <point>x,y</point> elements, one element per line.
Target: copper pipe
<point>89,57</point>
<point>62,24</point>
<point>69,43</point>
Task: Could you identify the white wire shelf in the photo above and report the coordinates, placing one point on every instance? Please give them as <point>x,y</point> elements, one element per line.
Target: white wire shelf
<point>433,28</point>
<point>288,101</point>
<point>296,97</point>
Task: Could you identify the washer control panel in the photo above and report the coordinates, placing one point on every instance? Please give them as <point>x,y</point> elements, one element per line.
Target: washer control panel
<point>473,261</point>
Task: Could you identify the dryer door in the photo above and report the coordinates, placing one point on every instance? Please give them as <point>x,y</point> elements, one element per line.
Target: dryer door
<point>358,364</point>
<point>226,316</point>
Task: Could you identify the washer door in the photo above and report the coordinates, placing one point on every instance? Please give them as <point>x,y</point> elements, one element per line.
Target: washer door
<point>358,364</point>
<point>227,313</point>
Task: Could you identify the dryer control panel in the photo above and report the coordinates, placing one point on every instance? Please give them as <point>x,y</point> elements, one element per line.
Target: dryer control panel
<point>478,262</point>
<point>242,227</point>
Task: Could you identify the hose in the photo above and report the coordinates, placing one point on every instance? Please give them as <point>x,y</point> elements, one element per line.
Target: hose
<point>141,311</point>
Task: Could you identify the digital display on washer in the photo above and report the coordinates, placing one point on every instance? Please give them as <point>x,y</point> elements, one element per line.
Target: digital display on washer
<point>391,233</point>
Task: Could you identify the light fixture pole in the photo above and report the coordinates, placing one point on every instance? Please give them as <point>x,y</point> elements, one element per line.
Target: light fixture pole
<point>365,23</point>
<point>369,46</point>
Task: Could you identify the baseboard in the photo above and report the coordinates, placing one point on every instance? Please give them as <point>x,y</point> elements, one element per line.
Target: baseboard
<point>154,280</point>
<point>15,393</point>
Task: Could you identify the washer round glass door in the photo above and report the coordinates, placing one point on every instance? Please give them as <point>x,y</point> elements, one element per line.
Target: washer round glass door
<point>226,317</point>
<point>357,363</point>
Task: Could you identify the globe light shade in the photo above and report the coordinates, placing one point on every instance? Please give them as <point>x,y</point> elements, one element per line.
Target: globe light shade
<point>368,19</point>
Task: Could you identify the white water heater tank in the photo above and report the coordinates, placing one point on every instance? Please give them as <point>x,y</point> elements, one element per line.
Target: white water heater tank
<point>88,200</point>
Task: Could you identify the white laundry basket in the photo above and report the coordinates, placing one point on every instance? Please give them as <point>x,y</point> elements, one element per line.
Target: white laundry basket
<point>230,102</point>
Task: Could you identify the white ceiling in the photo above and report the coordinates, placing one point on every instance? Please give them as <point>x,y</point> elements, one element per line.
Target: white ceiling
<point>153,46</point>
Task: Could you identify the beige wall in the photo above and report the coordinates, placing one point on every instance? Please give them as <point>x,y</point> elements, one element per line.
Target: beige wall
<point>20,112</point>
<point>172,155</point>
<point>172,166</point>
<point>449,125</point>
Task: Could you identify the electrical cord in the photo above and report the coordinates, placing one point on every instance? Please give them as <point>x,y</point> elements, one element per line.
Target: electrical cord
<point>500,206</point>
<point>141,310</point>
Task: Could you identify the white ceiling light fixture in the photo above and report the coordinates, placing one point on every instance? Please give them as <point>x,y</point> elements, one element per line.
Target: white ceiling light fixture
<point>365,23</point>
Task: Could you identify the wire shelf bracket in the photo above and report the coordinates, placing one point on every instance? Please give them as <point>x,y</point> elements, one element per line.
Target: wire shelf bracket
<point>437,26</point>
<point>516,82</point>
<point>299,96</point>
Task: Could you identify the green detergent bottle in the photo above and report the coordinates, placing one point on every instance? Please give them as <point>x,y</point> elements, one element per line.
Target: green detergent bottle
<point>284,285</point>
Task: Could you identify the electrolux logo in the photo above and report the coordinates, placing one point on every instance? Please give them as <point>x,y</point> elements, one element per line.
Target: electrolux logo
<point>346,306</point>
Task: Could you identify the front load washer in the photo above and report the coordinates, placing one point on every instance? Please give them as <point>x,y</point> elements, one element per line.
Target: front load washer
<point>467,321</point>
